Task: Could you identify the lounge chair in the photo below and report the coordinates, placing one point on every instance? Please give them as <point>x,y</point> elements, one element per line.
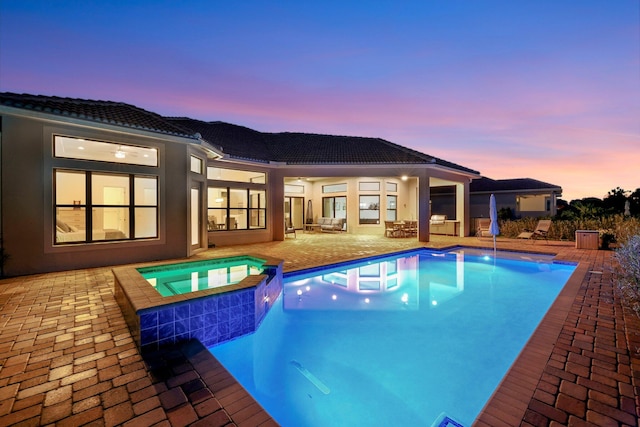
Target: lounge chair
<point>541,230</point>
<point>484,225</point>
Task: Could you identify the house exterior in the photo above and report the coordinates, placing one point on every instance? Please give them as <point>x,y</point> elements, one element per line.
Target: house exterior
<point>92,183</point>
<point>526,197</point>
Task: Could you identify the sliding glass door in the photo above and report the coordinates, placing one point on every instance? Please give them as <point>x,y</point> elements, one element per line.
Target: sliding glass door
<point>335,207</point>
<point>294,211</point>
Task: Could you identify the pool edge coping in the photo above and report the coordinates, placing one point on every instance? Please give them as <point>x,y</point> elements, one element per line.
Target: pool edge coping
<point>143,296</point>
<point>522,377</point>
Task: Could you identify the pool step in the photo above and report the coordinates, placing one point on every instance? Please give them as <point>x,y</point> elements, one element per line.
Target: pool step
<point>444,420</point>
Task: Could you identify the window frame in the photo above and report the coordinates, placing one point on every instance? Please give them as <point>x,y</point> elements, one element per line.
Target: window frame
<point>392,212</point>
<point>248,212</point>
<point>89,206</point>
<point>371,206</point>
<point>107,145</point>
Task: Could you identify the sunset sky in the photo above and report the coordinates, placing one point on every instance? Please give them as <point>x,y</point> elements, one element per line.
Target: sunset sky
<point>548,90</point>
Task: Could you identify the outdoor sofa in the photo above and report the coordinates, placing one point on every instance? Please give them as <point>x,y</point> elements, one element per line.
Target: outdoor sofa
<point>330,224</point>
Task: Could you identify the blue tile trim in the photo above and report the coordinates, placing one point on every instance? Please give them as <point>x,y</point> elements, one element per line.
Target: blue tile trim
<point>211,319</point>
<point>448,422</point>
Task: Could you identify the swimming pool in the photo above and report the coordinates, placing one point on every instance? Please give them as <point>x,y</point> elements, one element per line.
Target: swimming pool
<point>399,340</point>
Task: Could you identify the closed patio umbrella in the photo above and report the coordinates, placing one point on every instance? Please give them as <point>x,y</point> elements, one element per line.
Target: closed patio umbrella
<point>494,228</point>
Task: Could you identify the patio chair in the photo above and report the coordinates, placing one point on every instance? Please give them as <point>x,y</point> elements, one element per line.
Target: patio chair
<point>211,223</point>
<point>289,229</point>
<point>541,230</point>
<point>412,228</point>
<point>389,229</point>
<point>484,224</point>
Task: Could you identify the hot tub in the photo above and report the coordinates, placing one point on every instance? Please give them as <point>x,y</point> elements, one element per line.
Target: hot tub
<point>194,307</point>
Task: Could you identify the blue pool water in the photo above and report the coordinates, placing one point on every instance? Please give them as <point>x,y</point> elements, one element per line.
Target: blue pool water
<point>402,340</point>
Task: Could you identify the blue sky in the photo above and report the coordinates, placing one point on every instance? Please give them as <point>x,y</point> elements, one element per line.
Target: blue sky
<point>543,89</point>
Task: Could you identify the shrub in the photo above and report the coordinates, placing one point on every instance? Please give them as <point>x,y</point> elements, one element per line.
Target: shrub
<point>626,229</point>
<point>613,228</point>
<point>627,271</point>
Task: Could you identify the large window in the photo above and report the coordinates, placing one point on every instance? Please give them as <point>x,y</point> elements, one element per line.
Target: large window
<point>334,188</point>
<point>369,209</point>
<point>86,149</point>
<point>97,206</point>
<point>369,186</point>
<point>196,164</point>
<point>236,208</point>
<point>222,174</point>
<point>533,203</point>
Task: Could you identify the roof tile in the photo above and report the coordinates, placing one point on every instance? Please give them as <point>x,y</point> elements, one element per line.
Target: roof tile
<point>236,141</point>
<point>307,148</point>
<point>115,113</point>
<point>485,184</point>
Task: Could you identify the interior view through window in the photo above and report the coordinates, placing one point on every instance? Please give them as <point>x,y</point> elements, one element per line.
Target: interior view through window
<point>110,213</point>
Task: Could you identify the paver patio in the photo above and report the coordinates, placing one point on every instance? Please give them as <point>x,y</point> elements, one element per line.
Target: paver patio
<point>68,359</point>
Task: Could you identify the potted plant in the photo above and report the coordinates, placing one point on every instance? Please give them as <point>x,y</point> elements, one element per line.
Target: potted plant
<point>607,239</point>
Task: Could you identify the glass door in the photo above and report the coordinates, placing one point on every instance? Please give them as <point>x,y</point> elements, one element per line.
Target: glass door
<point>195,217</point>
<point>294,211</point>
<point>335,207</point>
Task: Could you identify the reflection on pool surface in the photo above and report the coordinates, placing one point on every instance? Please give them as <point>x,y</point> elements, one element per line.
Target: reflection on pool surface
<point>399,340</point>
<point>182,278</point>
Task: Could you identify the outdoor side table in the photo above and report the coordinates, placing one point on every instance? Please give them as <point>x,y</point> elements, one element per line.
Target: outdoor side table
<point>587,239</point>
<point>311,228</point>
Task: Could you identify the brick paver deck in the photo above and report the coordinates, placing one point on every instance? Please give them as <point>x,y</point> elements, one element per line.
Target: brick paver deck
<point>68,359</point>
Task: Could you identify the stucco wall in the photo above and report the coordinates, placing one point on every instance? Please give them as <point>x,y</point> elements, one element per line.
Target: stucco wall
<point>27,188</point>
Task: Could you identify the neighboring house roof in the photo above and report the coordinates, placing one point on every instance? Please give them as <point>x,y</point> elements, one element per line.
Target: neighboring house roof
<point>107,112</point>
<point>486,185</point>
<point>306,148</point>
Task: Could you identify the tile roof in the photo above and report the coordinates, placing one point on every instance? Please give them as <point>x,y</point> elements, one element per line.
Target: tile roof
<point>107,112</point>
<point>485,184</point>
<point>236,141</point>
<point>306,148</point>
